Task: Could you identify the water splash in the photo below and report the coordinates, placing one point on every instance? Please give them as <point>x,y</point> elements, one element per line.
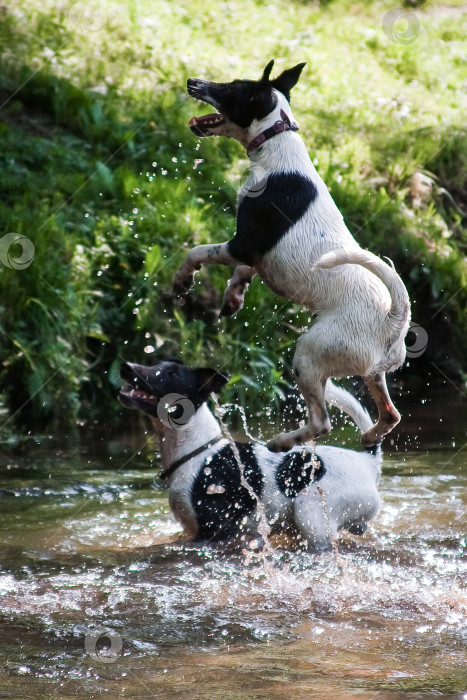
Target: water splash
<point>263,526</point>
<point>268,557</point>
<point>222,410</point>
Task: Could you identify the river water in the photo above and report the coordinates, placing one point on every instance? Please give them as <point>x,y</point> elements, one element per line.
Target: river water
<point>100,596</point>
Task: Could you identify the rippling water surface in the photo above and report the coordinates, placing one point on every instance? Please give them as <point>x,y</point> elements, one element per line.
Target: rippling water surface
<point>101,597</point>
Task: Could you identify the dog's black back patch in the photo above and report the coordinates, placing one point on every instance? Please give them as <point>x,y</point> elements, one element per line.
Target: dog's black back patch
<point>296,471</point>
<point>266,214</point>
<point>219,499</point>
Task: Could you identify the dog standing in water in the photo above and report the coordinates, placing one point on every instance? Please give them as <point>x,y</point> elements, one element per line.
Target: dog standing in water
<point>291,233</point>
<point>206,493</point>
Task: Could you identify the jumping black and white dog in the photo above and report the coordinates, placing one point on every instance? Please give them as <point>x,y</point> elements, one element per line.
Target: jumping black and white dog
<point>288,231</point>
<point>206,491</point>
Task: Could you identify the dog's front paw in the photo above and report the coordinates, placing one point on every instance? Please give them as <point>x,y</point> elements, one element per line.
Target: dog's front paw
<point>182,283</point>
<point>231,303</point>
<point>279,444</point>
<point>229,309</point>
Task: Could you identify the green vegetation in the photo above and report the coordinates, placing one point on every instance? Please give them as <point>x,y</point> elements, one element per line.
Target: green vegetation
<point>99,170</point>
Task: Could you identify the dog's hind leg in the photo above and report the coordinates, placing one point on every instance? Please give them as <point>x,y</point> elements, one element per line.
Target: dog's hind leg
<point>236,289</point>
<point>312,387</point>
<point>388,415</point>
<point>198,256</point>
<point>319,355</point>
<point>318,425</point>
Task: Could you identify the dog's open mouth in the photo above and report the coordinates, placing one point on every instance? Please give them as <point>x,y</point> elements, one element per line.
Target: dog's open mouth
<point>200,125</point>
<point>131,397</point>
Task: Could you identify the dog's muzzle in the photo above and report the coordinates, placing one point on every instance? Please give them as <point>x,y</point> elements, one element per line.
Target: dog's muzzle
<point>200,89</point>
<point>135,392</point>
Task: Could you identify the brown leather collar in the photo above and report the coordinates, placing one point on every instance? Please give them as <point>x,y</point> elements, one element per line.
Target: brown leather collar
<point>282,124</point>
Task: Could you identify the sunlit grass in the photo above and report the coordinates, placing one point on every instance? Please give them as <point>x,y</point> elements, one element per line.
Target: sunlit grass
<point>100,171</point>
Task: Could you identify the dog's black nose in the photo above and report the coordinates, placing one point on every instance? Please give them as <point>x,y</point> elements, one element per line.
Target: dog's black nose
<point>196,87</point>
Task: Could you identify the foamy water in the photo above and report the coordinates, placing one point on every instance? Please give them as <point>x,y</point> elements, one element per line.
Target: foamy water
<point>95,547</point>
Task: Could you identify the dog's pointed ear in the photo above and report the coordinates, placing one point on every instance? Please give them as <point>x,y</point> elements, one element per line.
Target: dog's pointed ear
<point>288,79</point>
<point>267,72</point>
<point>210,380</point>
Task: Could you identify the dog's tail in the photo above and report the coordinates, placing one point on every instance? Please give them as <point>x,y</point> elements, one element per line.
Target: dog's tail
<point>345,401</point>
<point>399,314</point>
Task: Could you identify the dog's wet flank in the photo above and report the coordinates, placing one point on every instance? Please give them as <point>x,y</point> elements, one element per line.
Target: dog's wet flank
<point>217,496</point>
<point>297,470</point>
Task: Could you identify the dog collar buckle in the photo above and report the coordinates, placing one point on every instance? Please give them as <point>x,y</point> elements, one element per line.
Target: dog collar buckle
<point>281,125</point>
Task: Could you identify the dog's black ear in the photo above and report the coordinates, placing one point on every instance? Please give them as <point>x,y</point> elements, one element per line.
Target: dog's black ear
<point>210,380</point>
<point>267,72</point>
<point>288,79</point>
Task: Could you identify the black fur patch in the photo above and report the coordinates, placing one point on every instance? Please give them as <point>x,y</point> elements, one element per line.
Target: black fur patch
<point>357,528</point>
<point>294,472</point>
<point>264,219</point>
<point>241,101</point>
<point>219,514</point>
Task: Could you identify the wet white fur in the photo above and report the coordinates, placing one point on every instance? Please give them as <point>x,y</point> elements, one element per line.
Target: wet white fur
<point>360,327</point>
<point>349,485</point>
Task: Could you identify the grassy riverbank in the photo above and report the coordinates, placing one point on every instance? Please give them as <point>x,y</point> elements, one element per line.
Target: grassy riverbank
<point>100,172</point>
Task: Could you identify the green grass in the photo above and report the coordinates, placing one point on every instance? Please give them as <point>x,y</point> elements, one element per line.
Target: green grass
<point>99,170</point>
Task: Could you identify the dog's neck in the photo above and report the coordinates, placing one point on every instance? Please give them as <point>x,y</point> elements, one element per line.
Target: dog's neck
<point>176,444</point>
<point>279,126</point>
<point>285,151</point>
<point>262,130</point>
